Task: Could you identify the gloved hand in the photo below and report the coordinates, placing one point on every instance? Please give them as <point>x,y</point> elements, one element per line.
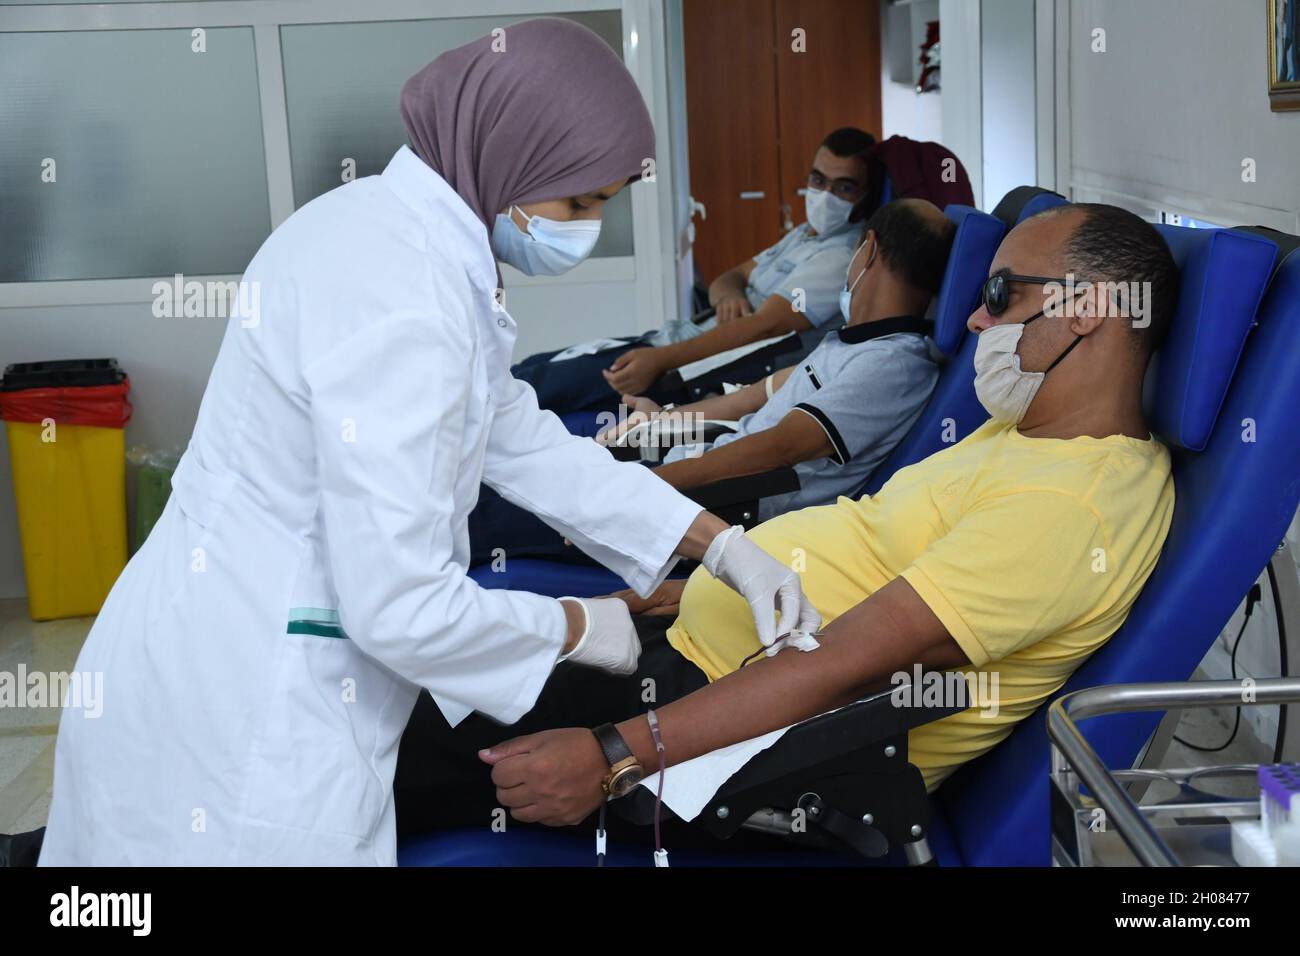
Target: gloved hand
<point>768,585</point>
<point>609,641</point>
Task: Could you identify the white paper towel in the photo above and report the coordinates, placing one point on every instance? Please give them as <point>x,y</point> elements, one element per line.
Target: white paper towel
<point>689,786</point>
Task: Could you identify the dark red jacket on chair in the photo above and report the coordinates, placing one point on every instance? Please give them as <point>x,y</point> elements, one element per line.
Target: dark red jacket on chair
<point>916,170</point>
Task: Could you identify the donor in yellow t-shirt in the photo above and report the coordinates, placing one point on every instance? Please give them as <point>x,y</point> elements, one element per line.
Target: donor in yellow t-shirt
<point>1030,552</point>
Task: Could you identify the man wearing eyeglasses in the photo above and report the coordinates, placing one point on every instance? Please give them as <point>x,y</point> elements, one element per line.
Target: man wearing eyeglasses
<point>792,286</point>
<point>1014,554</point>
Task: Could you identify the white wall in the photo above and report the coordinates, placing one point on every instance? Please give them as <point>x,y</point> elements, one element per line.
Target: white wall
<point>1178,100</point>
<point>959,32</point>
<point>903,111</point>
<point>1009,99</point>
<point>994,101</point>
<point>1163,119</point>
<point>679,198</point>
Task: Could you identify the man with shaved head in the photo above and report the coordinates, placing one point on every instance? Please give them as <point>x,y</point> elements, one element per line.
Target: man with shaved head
<point>1009,557</point>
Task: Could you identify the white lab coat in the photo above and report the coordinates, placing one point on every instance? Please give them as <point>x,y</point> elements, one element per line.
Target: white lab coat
<point>262,652</point>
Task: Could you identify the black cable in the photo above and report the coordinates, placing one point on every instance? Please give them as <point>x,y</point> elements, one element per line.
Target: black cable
<point>1255,596</point>
<point>1281,648</point>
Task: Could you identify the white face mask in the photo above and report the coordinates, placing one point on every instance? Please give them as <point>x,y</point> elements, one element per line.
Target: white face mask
<point>1002,386</point>
<point>846,294</point>
<point>549,247</point>
<point>825,211</point>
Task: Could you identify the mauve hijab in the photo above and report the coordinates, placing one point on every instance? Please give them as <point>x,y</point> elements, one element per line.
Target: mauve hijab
<point>553,114</point>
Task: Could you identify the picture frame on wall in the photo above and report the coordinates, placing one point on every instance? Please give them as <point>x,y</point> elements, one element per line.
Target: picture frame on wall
<point>1284,55</point>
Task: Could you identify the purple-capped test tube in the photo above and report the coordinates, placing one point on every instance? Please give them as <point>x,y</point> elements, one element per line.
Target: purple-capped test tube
<point>1279,787</point>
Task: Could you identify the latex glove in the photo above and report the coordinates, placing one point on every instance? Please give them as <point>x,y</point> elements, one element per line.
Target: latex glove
<point>768,586</point>
<point>609,641</point>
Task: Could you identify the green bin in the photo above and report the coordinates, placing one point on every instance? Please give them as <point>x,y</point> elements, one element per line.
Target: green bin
<point>153,485</point>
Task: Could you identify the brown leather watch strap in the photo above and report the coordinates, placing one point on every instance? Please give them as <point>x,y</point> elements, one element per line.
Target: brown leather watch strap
<point>612,744</point>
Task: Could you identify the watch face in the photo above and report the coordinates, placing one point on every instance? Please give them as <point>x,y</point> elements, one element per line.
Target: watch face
<point>627,778</point>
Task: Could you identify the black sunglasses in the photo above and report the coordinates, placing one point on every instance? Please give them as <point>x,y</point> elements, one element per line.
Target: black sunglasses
<point>996,293</point>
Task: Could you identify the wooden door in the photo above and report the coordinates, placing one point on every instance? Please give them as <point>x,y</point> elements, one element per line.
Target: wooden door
<point>731,123</point>
<point>833,81</point>
<point>758,103</point>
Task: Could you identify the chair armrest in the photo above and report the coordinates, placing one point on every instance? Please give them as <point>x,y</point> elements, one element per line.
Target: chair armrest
<point>733,499</point>
<point>744,492</point>
<point>662,438</point>
<point>746,369</point>
<point>708,432</point>
<point>875,719</point>
<point>844,775</point>
<point>668,432</point>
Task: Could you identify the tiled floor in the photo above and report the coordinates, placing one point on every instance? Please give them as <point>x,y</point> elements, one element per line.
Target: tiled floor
<point>27,733</point>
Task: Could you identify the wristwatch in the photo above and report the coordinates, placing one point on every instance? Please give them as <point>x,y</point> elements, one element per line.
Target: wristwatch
<point>625,771</point>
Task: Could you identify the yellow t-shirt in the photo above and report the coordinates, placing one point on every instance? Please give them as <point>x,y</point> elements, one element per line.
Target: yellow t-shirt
<point>1030,551</point>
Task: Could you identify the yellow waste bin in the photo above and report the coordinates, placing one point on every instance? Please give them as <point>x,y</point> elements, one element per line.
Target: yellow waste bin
<point>65,423</point>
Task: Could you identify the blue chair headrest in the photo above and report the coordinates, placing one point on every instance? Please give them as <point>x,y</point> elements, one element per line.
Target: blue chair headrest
<point>1025,201</point>
<point>976,240</point>
<point>1224,275</point>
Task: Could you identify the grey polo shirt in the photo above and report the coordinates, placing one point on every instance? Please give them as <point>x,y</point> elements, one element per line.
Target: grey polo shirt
<point>801,263</point>
<point>864,394</point>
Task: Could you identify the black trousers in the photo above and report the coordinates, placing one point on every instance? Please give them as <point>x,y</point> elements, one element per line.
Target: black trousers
<point>577,385</point>
<point>440,781</point>
<point>496,524</point>
<point>573,385</point>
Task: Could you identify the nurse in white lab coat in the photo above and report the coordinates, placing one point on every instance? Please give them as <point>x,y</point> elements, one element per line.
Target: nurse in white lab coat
<point>262,652</point>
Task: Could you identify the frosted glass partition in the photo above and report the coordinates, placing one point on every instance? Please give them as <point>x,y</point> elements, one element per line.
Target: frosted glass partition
<point>126,154</point>
<point>342,82</point>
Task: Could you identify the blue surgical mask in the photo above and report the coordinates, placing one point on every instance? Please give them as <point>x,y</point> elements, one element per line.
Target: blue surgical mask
<point>549,247</point>
<point>846,294</point>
